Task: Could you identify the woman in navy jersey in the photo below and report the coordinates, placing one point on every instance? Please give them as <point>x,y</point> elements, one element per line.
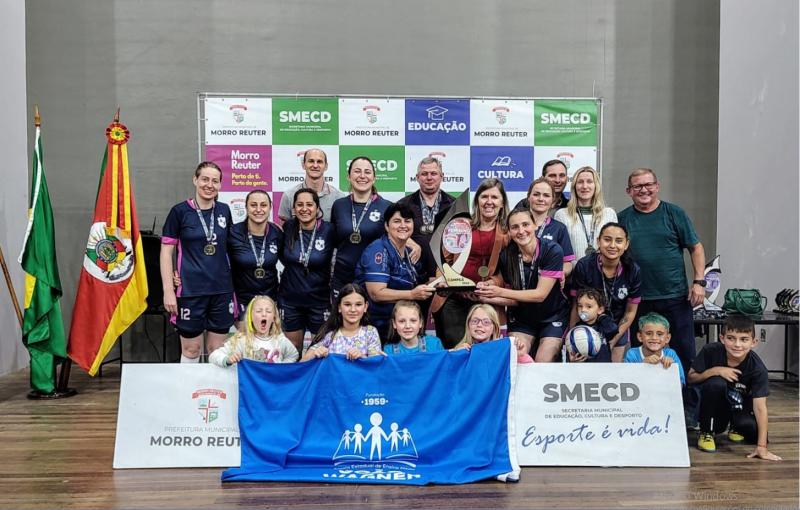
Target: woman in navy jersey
<point>386,270</point>
<point>612,272</point>
<point>532,268</point>
<point>304,290</point>
<point>489,210</point>
<point>540,201</point>
<point>357,219</point>
<point>253,248</point>
<point>199,229</point>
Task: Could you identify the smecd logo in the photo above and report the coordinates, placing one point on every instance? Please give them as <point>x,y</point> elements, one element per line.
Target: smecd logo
<point>305,116</point>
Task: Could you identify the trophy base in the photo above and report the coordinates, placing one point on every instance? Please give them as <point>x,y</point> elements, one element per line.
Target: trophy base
<point>450,290</point>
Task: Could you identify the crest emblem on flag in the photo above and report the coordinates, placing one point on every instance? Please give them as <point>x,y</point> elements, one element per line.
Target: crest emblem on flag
<point>109,254</point>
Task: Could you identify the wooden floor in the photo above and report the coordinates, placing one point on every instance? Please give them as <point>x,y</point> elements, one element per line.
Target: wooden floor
<point>57,454</point>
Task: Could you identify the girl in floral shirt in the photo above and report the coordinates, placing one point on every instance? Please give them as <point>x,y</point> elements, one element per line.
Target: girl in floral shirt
<point>347,332</point>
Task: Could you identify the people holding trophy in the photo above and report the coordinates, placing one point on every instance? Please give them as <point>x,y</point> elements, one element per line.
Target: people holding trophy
<point>476,242</point>
<point>357,220</point>
<point>387,271</point>
<point>532,268</point>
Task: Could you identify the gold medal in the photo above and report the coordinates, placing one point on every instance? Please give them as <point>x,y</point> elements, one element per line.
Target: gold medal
<point>355,237</point>
<point>210,249</point>
<point>260,273</point>
<point>483,271</point>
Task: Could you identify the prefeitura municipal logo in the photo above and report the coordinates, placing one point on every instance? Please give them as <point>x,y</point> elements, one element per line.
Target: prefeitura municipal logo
<point>109,254</point>
<point>238,111</point>
<point>209,403</point>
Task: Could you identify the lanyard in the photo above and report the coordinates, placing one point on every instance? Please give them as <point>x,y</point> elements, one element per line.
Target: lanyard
<point>534,264</point>
<point>540,230</point>
<point>410,269</point>
<point>608,292</point>
<point>429,213</point>
<point>208,229</point>
<point>589,237</point>
<point>357,226</point>
<point>259,258</point>
<point>305,255</point>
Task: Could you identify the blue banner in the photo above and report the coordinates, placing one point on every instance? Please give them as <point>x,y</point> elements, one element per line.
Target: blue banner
<point>443,417</point>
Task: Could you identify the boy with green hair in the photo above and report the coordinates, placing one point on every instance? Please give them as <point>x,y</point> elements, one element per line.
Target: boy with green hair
<point>654,336</point>
<point>734,386</point>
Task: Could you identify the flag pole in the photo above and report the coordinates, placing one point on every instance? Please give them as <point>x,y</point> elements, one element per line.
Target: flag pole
<point>10,285</point>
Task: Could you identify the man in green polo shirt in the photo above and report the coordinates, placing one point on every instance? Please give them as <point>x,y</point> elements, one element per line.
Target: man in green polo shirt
<point>659,232</point>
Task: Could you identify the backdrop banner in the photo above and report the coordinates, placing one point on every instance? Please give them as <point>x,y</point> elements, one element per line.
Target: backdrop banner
<point>444,417</point>
<point>259,140</point>
<point>600,414</point>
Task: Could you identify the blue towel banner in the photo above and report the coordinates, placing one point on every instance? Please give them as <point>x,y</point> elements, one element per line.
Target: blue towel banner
<point>444,417</point>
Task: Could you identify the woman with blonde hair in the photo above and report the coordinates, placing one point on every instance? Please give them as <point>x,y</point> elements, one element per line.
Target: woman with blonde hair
<point>261,340</point>
<point>586,212</point>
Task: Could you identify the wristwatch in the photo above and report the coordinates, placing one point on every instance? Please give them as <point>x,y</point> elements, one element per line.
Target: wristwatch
<point>701,283</point>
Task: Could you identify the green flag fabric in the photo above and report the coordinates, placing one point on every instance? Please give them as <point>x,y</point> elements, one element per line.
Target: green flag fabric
<point>43,327</point>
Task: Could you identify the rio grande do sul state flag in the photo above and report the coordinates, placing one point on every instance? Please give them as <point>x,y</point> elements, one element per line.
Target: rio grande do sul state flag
<point>112,290</point>
<point>440,417</point>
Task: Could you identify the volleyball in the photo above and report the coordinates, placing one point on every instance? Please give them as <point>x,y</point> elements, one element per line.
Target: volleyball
<point>584,340</point>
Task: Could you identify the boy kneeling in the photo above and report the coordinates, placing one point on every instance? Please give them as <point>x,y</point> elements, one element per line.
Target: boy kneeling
<point>734,386</point>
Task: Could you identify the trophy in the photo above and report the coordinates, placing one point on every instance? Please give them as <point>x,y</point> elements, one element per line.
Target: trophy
<point>712,277</point>
<point>454,236</point>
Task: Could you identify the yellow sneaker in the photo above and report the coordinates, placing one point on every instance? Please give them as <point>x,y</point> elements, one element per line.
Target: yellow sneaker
<point>705,442</point>
<point>734,436</point>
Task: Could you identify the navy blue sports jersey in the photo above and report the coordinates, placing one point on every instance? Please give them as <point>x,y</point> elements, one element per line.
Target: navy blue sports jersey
<point>624,288</point>
<point>371,228</point>
<point>548,260</point>
<point>557,232</point>
<point>201,274</point>
<point>243,262</point>
<point>380,263</point>
<point>313,289</point>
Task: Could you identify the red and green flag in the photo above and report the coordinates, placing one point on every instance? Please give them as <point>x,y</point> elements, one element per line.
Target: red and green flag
<point>42,325</point>
<point>112,291</point>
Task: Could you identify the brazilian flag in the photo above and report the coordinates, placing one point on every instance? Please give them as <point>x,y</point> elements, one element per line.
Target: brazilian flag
<point>42,327</point>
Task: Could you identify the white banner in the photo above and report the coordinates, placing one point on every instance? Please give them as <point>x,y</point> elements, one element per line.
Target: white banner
<point>177,415</point>
<point>600,414</point>
<point>174,415</point>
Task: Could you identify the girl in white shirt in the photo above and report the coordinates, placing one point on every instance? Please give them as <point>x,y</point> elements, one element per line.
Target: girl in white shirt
<point>262,340</point>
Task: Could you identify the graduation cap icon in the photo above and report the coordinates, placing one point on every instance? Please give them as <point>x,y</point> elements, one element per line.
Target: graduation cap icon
<point>436,112</point>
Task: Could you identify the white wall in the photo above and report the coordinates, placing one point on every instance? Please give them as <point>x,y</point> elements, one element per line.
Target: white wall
<point>757,201</point>
<point>13,192</point>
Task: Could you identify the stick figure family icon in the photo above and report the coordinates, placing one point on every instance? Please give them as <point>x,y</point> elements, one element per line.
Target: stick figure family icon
<point>396,446</point>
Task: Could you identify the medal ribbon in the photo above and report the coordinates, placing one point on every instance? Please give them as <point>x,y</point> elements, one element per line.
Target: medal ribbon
<point>305,256</point>
<point>207,229</point>
<point>534,266</point>
<point>259,259</point>
<point>357,226</point>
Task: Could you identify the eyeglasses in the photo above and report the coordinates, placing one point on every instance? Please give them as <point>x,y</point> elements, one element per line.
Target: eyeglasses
<point>480,322</point>
<point>640,187</point>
